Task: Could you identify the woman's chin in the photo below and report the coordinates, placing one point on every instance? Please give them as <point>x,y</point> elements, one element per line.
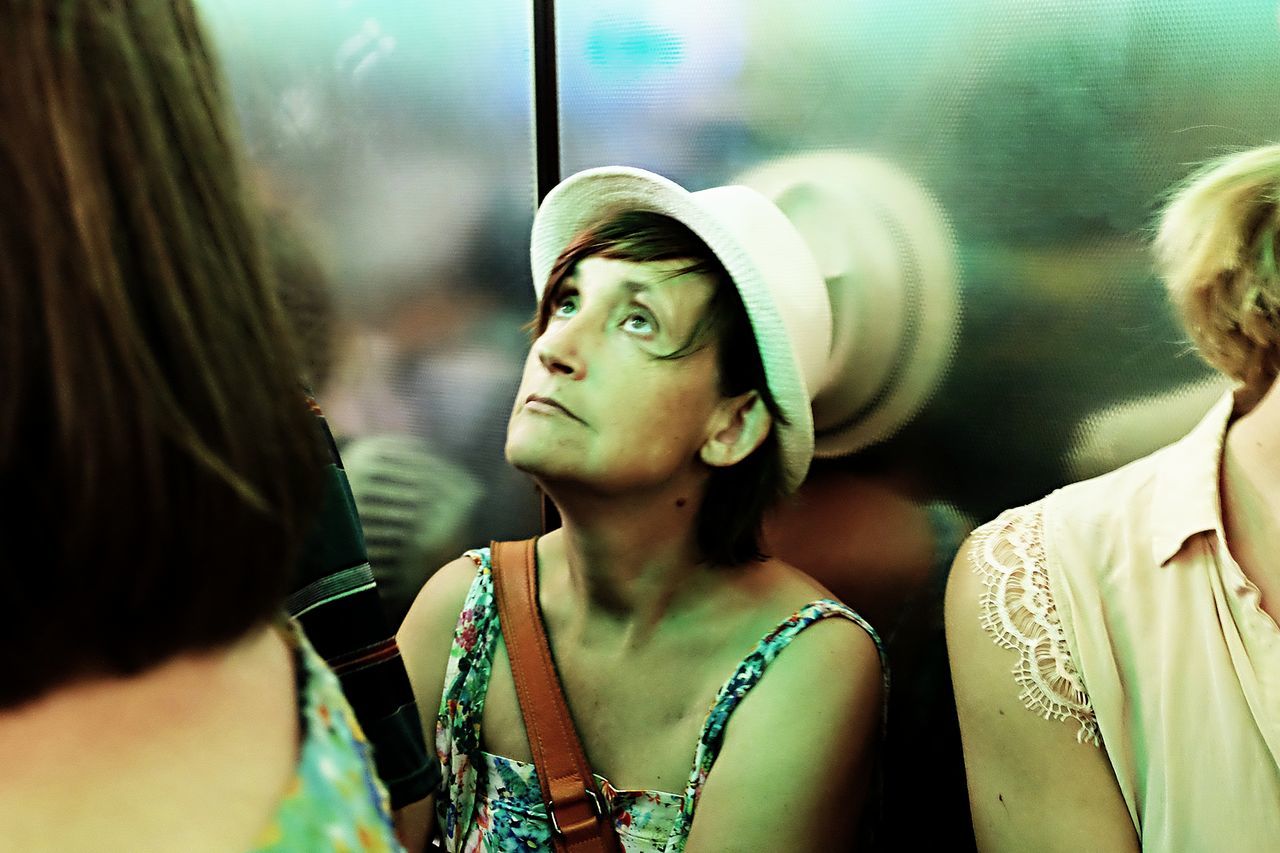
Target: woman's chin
<point>540,462</point>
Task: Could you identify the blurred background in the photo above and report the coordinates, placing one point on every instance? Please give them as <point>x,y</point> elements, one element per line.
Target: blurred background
<point>394,139</point>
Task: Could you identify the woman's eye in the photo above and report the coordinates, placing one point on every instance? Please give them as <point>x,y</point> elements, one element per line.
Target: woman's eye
<point>639,323</point>
<point>566,306</point>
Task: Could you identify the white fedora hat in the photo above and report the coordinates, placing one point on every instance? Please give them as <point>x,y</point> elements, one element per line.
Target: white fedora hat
<point>888,256</point>
<point>777,277</point>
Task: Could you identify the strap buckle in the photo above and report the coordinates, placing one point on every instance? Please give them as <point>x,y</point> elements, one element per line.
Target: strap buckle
<point>592,797</point>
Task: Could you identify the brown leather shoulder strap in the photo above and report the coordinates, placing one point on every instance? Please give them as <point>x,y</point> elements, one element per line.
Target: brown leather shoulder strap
<point>574,806</point>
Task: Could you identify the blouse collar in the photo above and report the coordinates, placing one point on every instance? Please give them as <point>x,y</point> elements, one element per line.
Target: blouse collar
<point>1187,499</point>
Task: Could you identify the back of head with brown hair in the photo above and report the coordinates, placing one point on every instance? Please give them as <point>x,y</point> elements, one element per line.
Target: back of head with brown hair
<point>1217,250</point>
<point>157,460</point>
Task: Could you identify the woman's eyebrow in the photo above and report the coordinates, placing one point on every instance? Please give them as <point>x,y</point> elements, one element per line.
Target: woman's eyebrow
<point>635,287</point>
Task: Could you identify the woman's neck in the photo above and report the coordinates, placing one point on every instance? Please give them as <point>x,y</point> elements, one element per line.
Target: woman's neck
<point>1250,489</point>
<point>626,562</point>
<point>193,754</point>
<point>1253,448</point>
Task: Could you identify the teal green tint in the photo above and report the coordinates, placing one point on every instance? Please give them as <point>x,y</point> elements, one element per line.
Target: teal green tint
<point>624,47</point>
<point>1047,132</point>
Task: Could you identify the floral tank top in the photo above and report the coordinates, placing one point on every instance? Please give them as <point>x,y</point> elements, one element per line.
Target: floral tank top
<point>491,803</point>
<point>336,801</point>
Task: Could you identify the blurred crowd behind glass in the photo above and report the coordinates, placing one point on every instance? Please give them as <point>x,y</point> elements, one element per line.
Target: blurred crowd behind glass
<point>393,142</point>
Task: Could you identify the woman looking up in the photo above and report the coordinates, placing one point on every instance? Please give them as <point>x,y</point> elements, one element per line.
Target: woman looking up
<point>664,407</point>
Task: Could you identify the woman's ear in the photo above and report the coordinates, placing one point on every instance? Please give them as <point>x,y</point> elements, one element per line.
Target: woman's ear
<point>739,425</point>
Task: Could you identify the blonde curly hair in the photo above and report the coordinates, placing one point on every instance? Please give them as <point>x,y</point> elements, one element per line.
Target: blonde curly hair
<point>1216,249</point>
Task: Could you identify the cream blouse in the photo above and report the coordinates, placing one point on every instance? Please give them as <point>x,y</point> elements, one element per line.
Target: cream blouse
<point>1131,618</point>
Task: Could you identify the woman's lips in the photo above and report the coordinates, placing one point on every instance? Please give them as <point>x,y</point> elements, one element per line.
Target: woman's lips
<point>546,404</point>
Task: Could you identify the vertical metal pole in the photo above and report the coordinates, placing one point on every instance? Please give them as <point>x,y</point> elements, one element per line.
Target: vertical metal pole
<point>546,142</point>
<point>546,97</point>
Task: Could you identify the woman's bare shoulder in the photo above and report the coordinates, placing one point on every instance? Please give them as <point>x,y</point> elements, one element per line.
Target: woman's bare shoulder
<point>783,590</point>
<point>426,634</point>
<point>818,706</point>
<point>441,598</point>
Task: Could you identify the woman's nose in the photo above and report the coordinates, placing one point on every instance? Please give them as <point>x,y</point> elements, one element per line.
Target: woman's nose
<point>560,350</point>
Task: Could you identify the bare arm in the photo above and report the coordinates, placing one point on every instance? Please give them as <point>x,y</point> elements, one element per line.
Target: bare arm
<point>1032,785</point>
<point>425,638</point>
<point>414,824</point>
<point>799,751</point>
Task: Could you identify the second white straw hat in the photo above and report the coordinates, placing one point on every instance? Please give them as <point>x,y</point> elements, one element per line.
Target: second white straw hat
<point>886,250</point>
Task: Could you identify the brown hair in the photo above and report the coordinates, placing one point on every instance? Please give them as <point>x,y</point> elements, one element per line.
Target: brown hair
<point>732,512</point>
<point>1217,250</point>
<point>158,458</point>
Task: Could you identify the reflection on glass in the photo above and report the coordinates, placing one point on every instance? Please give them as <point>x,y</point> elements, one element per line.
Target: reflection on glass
<point>397,137</point>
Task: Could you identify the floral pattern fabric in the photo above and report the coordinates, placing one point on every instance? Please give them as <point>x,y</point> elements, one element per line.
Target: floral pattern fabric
<point>491,803</point>
<point>336,803</point>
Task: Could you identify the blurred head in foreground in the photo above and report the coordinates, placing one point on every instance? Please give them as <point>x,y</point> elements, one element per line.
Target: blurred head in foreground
<point>156,455</point>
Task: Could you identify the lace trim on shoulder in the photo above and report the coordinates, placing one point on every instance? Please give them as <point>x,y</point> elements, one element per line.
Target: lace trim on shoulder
<point>1019,613</point>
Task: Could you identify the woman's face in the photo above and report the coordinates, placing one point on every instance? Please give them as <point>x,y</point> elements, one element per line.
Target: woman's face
<point>596,406</point>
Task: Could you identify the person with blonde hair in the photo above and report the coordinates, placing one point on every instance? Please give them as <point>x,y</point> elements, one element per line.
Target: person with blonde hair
<point>1131,696</point>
